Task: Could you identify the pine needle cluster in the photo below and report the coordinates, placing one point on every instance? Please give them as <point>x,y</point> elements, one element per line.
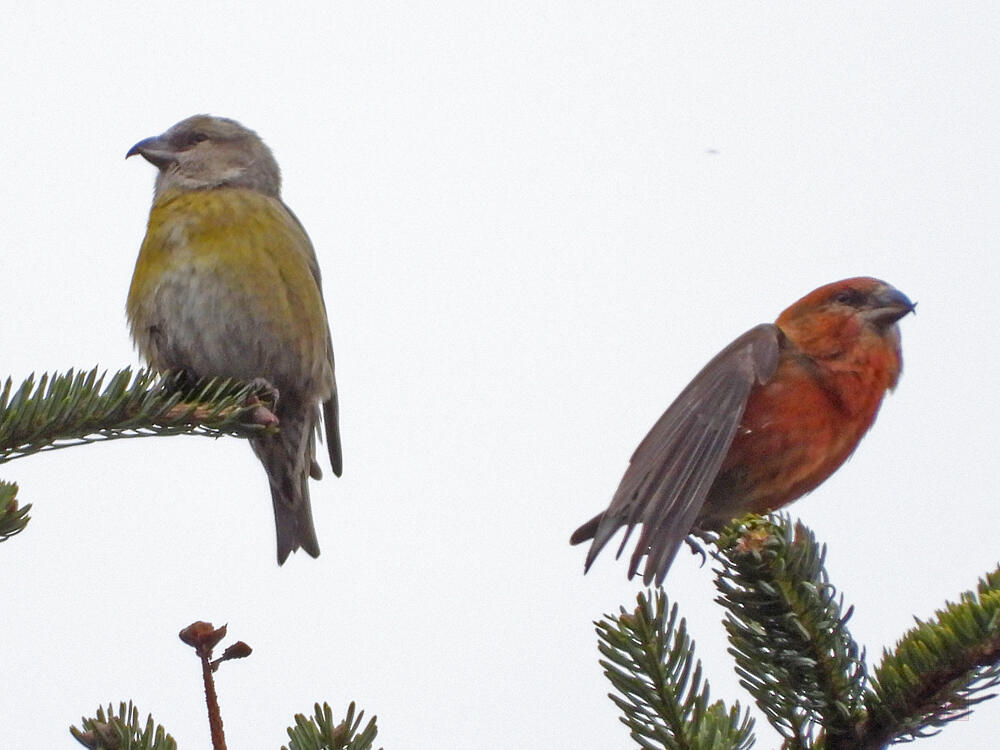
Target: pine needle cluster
<point>794,654</point>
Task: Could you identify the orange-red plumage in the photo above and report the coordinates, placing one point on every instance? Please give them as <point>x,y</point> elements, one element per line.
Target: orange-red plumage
<point>766,421</point>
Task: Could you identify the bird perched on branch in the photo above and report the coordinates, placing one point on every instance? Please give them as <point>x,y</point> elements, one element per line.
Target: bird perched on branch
<point>766,421</point>
<point>227,285</point>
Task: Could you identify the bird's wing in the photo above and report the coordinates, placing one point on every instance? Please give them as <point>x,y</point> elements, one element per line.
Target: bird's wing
<point>671,471</point>
<point>331,407</point>
<point>331,423</point>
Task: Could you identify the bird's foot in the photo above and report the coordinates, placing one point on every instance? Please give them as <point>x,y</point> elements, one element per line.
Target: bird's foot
<point>699,540</point>
<point>262,412</point>
<point>696,548</point>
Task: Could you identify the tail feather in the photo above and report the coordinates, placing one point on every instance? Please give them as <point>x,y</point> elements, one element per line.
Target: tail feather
<point>287,459</point>
<point>294,526</point>
<point>586,531</point>
<point>600,532</point>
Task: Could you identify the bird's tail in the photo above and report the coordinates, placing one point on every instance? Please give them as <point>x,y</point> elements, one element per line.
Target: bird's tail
<point>587,531</point>
<point>287,458</point>
<point>597,530</point>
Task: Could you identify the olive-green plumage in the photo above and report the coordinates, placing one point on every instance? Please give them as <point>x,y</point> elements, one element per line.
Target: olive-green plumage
<point>227,284</point>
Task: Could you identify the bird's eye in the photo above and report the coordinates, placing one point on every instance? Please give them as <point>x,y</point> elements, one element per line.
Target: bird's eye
<point>192,139</point>
<point>848,297</point>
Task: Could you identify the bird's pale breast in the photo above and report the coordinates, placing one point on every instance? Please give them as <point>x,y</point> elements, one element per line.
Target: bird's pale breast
<point>223,286</point>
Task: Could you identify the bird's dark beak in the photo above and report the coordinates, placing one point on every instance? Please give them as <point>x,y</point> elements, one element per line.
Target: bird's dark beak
<point>890,305</point>
<point>155,150</point>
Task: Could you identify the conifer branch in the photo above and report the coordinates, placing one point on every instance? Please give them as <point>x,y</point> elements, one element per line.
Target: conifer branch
<point>122,731</point>
<point>938,670</point>
<point>320,733</point>
<point>788,633</point>
<point>77,407</point>
<point>13,518</point>
<point>794,654</point>
<point>649,659</point>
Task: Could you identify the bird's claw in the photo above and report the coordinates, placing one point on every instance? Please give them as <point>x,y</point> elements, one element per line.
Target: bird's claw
<point>696,548</point>
<point>261,413</point>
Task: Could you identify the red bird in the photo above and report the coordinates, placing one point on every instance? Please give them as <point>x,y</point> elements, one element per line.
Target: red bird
<point>766,421</point>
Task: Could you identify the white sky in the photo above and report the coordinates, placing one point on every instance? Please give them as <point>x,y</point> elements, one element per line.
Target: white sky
<point>535,222</point>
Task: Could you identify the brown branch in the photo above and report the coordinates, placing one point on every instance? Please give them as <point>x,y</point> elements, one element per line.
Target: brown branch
<point>203,637</point>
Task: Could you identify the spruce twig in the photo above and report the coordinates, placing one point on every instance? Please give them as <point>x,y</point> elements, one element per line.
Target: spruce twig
<point>76,408</point>
<point>788,632</point>
<point>319,732</point>
<point>938,670</point>
<point>122,731</point>
<point>649,659</point>
<point>203,638</point>
<point>13,518</point>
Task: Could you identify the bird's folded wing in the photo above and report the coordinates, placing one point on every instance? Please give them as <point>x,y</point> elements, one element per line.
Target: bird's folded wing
<point>671,471</point>
<point>331,423</point>
<point>331,407</point>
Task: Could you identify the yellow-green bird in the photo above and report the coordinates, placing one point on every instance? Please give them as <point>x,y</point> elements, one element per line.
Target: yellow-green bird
<point>227,285</point>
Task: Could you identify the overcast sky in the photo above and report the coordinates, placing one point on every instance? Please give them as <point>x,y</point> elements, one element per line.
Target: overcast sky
<point>535,223</point>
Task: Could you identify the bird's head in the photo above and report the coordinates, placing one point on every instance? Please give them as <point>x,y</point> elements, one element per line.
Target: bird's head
<point>204,152</point>
<point>835,317</point>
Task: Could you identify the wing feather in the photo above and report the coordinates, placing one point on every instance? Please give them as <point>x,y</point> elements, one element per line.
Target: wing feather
<point>331,407</point>
<point>672,470</point>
